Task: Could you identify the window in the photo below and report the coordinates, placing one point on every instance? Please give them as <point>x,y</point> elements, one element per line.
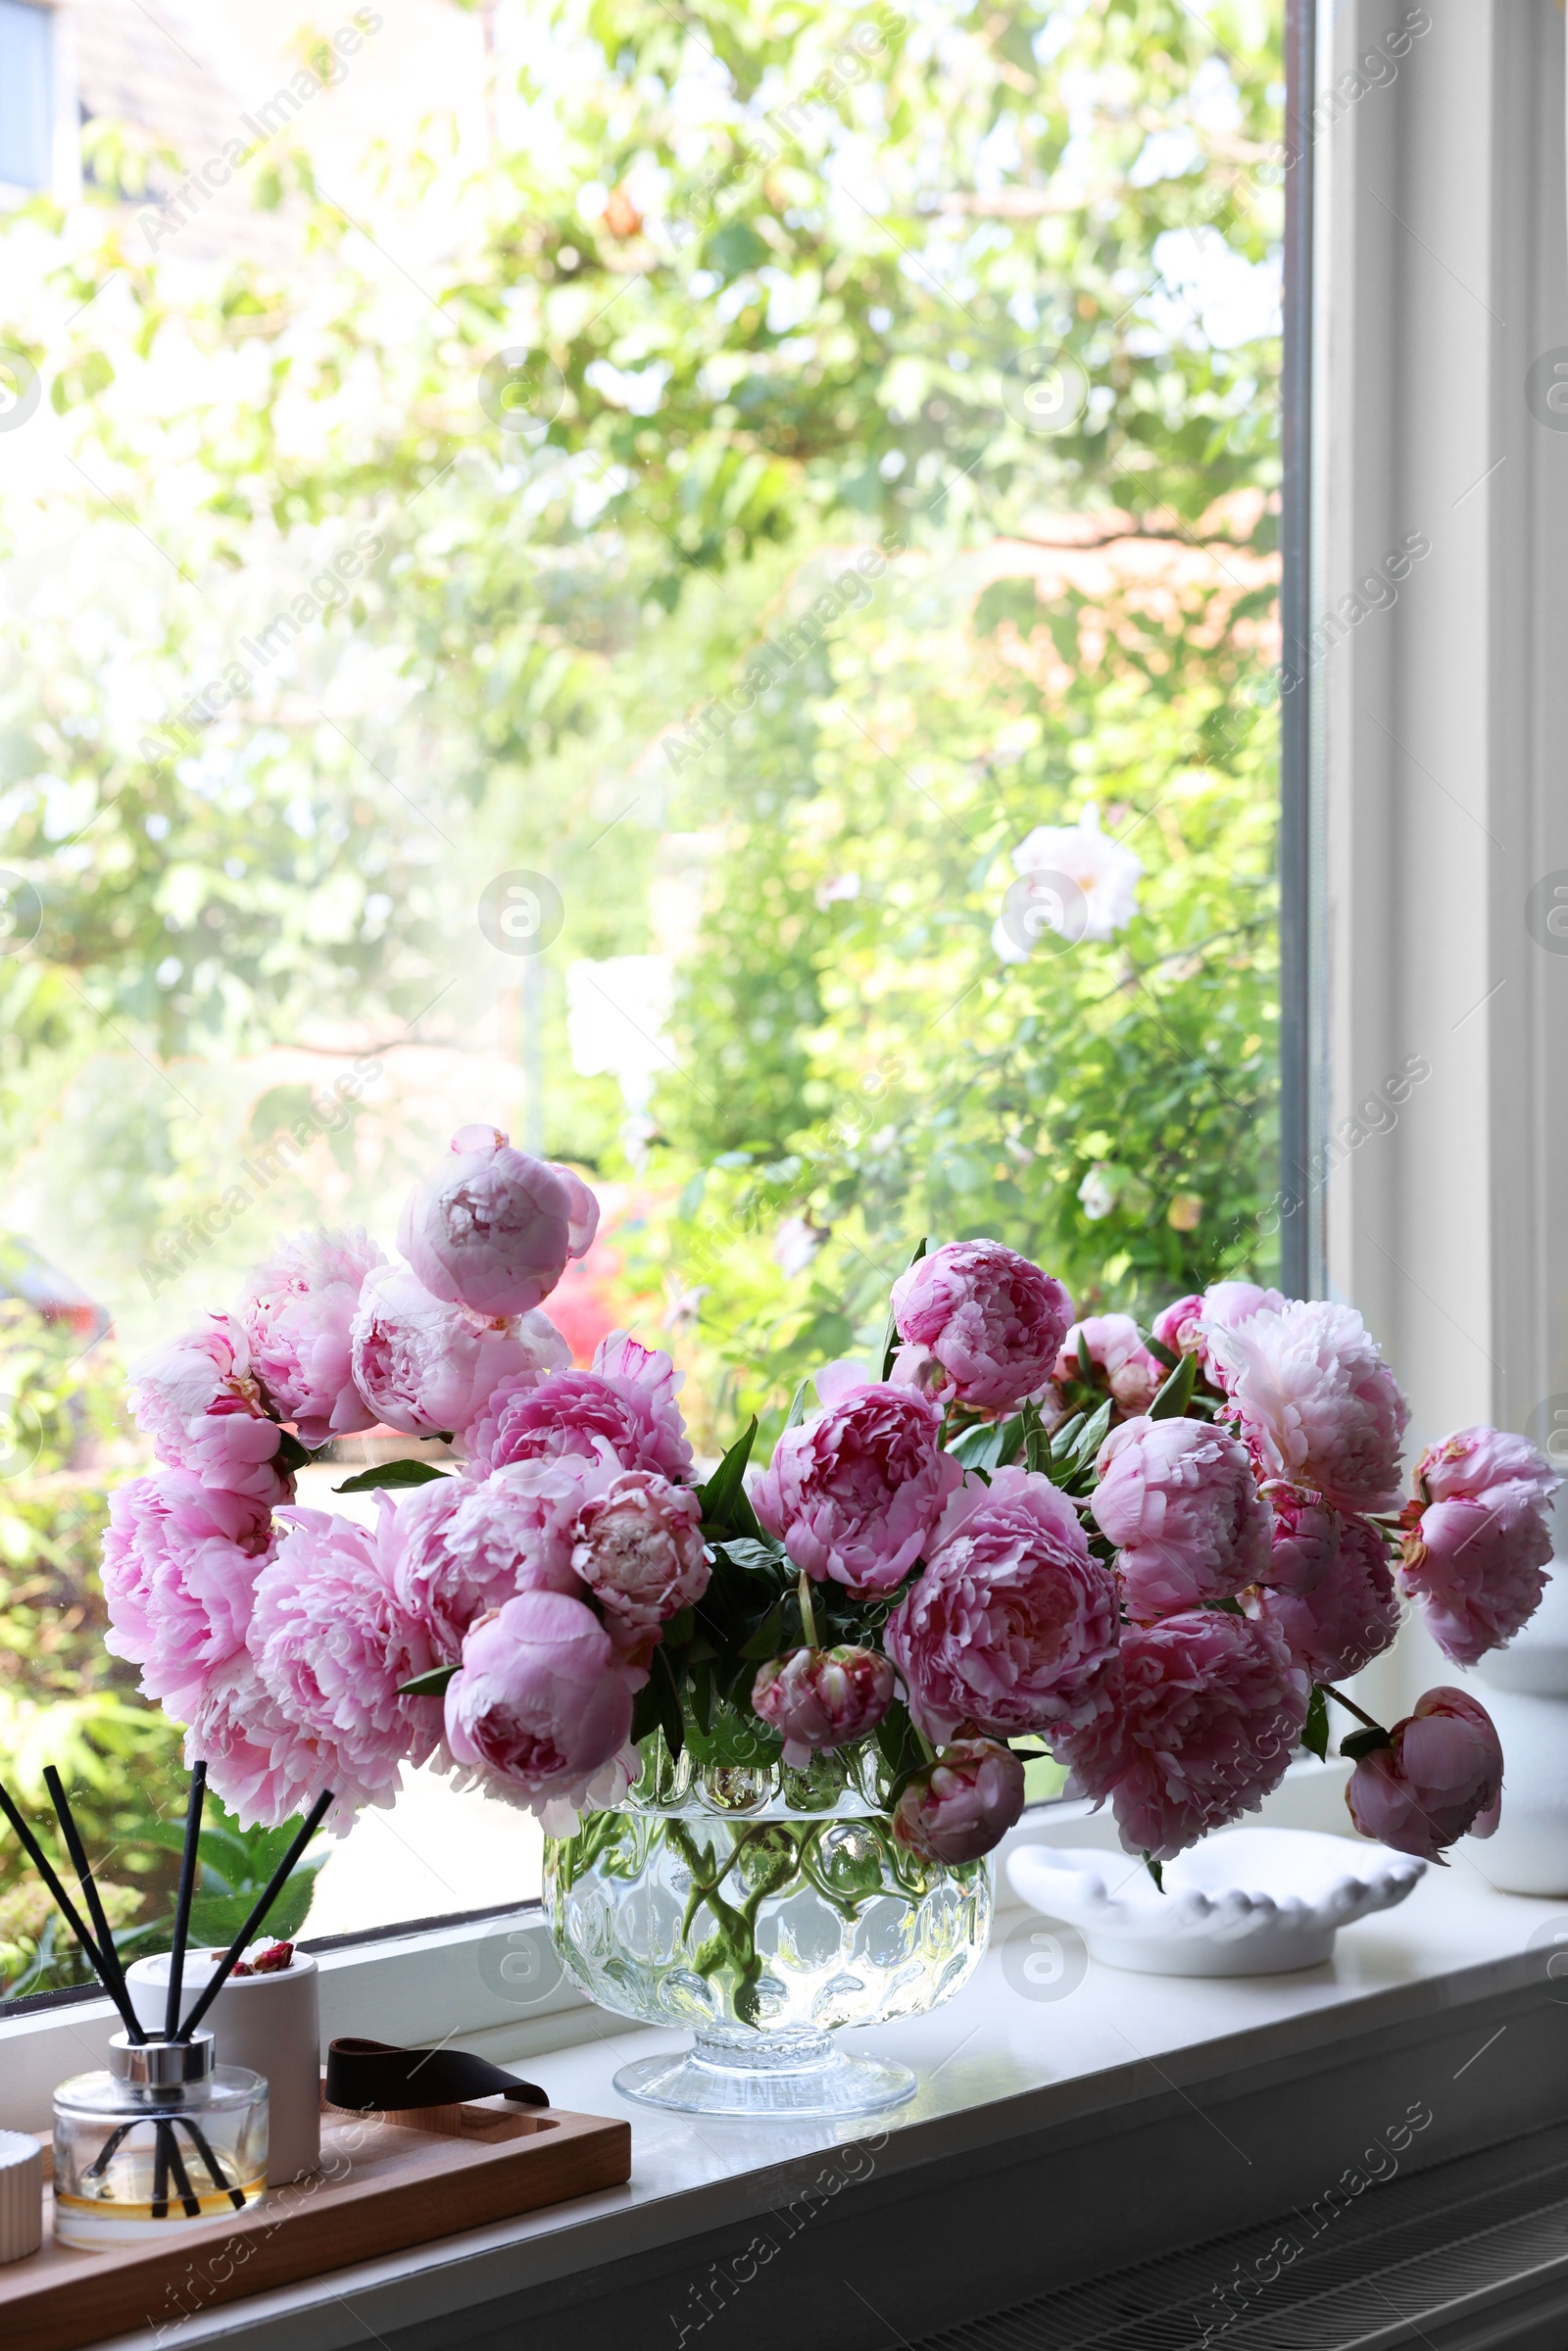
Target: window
<point>27,99</point>
<point>719,613</point>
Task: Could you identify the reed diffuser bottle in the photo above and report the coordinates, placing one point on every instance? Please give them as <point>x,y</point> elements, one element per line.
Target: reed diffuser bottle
<point>165,2134</point>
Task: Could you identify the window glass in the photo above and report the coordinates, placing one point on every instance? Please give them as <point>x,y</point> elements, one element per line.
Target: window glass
<point>699,587</point>
<point>24,95</point>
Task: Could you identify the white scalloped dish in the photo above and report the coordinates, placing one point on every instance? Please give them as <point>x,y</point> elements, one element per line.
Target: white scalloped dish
<point>1245,1902</point>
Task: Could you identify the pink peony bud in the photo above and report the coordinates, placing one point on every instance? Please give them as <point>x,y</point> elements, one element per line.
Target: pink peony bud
<point>541,1702</point>
<point>1118,1357</point>
<point>961,1806</point>
<point>1205,1710</point>
<point>298,1313</point>
<point>820,1698</point>
<point>200,1403</point>
<point>1012,1626</point>
<point>639,1549</point>
<point>492,1229</point>
<point>430,1368</point>
<point>1438,1778</point>
<point>1306,1541</point>
<point>1179,1326</point>
<point>1315,1402</point>
<point>855,1491</point>
<point>982,1325</point>
<point>1349,1616</point>
<point>1178,1500</point>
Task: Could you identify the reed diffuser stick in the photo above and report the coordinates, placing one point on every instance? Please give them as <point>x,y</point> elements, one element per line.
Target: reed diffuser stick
<point>111,1972</point>
<point>275,1886</point>
<point>183,1901</point>
<point>61,1900</point>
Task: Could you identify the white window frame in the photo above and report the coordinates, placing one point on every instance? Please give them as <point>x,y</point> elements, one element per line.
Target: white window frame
<point>1439,1229</point>
<point>1442,273</point>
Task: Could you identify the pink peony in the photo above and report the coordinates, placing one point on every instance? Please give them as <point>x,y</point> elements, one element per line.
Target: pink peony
<point>1349,1616</point>
<point>540,1704</point>
<point>1205,1710</point>
<point>822,1698</point>
<point>298,1313</point>
<point>1476,1566</point>
<point>1178,1500</point>
<point>1226,1306</point>
<point>1439,1778</point>
<point>1179,1326</point>
<point>855,1491</point>
<point>492,1229</point>
<point>1116,1351</point>
<point>430,1368</point>
<point>180,1560</point>
<point>263,1765</point>
<point>1316,1401</point>
<point>1306,1541</point>
<point>1473,1463</point>
<point>981,1325</point>
<point>332,1644</point>
<point>199,1401</point>
<point>622,1413</point>
<point>962,1804</point>
<point>458,1547</point>
<point>1012,1626</point>
<point>638,1546</point>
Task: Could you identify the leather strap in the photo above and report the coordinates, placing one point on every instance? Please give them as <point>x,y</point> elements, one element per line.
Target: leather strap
<point>364,2075</point>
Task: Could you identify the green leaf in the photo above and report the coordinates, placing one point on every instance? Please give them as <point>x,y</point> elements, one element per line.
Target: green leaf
<point>1085,1363</point>
<point>1036,1445</point>
<point>1365,1743</point>
<point>764,1641</point>
<point>291,1454</point>
<point>1315,1730</point>
<point>734,1740</point>
<point>427,1686</point>
<point>1162,1354</point>
<point>1156,1870</point>
<point>1092,1437</point>
<point>723,1499</point>
<point>1176,1393</point>
<point>798,1409</point>
<point>890,1336</point>
<point>979,1447</point>
<point>1012,1441</point>
<point>391,1473</point>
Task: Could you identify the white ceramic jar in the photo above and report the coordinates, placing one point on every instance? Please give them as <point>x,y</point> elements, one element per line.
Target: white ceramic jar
<point>1524,1687</point>
<point>271,2024</point>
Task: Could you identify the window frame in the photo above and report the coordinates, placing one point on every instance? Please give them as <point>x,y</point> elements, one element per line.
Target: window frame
<point>1365,329</point>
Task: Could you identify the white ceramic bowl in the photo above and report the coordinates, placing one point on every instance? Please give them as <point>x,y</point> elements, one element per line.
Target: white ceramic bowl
<point>1245,1902</point>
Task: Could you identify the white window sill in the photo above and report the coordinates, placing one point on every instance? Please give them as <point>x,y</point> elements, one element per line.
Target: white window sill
<point>1441,2000</point>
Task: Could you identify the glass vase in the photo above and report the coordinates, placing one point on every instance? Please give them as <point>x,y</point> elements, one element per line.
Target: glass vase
<point>764,1908</point>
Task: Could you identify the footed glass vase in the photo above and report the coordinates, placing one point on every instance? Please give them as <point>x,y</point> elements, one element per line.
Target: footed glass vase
<point>764,1908</point>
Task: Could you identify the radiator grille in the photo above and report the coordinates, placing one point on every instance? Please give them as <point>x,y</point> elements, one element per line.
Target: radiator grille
<point>1412,2251</point>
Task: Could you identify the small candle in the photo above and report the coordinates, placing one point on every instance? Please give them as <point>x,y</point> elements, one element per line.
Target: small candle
<point>20,2195</point>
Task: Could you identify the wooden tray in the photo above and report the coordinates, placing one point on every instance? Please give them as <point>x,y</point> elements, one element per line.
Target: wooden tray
<point>385,2184</point>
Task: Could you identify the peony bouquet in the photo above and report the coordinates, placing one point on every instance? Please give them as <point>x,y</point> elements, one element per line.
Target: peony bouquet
<point>1149,1556</point>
